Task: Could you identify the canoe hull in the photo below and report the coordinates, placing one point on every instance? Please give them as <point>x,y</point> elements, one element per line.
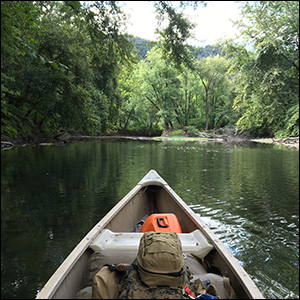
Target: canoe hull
<point>151,195</point>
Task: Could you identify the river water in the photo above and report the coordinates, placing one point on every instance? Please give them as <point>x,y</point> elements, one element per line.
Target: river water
<point>51,196</point>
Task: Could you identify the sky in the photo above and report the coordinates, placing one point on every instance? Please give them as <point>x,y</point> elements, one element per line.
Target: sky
<point>213,21</point>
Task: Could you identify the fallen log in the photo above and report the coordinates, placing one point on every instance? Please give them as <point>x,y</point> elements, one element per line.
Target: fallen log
<point>6,145</point>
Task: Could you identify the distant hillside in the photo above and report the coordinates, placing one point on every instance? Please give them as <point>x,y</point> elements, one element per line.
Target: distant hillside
<point>207,51</point>
<point>143,46</point>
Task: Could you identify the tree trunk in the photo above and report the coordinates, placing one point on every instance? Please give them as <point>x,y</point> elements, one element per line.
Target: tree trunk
<point>212,89</point>
<point>178,116</point>
<point>166,126</point>
<point>206,111</point>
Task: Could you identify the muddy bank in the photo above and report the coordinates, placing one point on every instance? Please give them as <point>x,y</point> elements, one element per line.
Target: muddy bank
<point>226,135</point>
<point>289,142</point>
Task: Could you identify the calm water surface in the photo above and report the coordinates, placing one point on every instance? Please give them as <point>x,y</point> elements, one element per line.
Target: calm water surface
<point>51,196</point>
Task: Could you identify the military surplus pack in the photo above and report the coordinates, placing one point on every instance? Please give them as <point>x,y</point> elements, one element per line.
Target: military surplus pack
<point>160,260</point>
<point>158,272</point>
<point>134,288</point>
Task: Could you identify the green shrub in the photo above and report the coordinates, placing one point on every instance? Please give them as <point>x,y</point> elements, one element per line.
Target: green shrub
<point>176,132</point>
<point>192,131</point>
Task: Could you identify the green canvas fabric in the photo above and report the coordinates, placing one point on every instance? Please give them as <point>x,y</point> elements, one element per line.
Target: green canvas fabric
<point>160,260</point>
<point>134,288</point>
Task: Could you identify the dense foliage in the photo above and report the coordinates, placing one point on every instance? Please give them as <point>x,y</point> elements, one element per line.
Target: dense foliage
<point>267,74</point>
<point>59,66</point>
<point>157,93</point>
<point>69,66</point>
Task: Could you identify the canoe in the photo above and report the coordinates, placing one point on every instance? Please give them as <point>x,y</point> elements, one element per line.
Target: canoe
<point>151,195</point>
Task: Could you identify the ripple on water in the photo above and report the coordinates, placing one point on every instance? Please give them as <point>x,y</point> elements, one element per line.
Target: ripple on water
<point>256,245</point>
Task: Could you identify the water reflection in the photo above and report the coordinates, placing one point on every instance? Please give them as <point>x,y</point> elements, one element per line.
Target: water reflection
<point>52,196</point>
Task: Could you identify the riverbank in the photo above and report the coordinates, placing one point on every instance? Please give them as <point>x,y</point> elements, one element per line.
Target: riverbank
<point>226,135</point>
<point>288,142</point>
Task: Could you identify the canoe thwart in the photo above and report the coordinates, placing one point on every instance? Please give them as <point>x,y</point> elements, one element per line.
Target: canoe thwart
<point>194,242</point>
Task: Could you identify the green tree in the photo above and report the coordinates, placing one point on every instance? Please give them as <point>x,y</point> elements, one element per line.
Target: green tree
<point>223,99</point>
<point>159,86</point>
<point>189,103</point>
<point>211,72</point>
<point>67,77</point>
<point>267,75</point>
<point>111,49</point>
<point>19,28</point>
<point>156,92</point>
<point>178,30</point>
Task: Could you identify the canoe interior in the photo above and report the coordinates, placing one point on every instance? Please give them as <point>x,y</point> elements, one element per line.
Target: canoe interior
<point>156,199</point>
<point>150,199</point>
<point>140,201</point>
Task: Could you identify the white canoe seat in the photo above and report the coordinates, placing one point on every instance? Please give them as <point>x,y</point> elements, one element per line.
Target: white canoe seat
<point>194,242</point>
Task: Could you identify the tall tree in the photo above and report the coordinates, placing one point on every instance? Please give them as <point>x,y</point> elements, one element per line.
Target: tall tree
<point>267,74</point>
<point>67,78</point>
<point>178,30</point>
<point>19,28</point>
<point>160,86</point>
<point>189,105</point>
<point>211,71</point>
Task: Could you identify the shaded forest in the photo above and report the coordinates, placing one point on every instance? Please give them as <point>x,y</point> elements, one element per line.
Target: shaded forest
<point>69,67</point>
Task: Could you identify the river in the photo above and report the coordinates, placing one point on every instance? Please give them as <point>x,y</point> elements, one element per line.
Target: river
<point>51,196</point>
